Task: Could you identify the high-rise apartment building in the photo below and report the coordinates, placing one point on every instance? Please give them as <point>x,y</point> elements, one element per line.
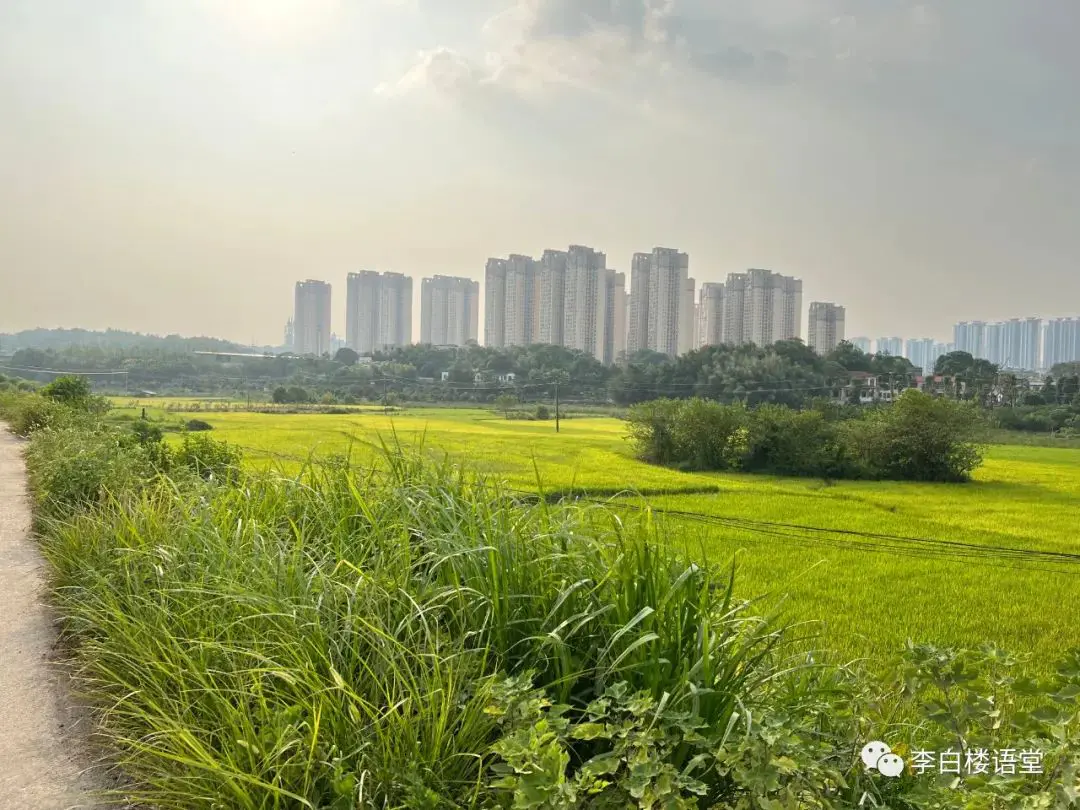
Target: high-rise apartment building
<point>637,337</point>
<point>495,303</point>
<point>522,301</point>
<point>892,346</point>
<point>922,352</point>
<point>615,320</point>
<point>1061,342</point>
<point>552,296</point>
<point>711,314</point>
<point>378,311</point>
<point>290,338</point>
<point>687,327</point>
<point>661,302</point>
<point>311,318</point>
<point>512,301</point>
<point>585,307</point>
<point>1022,347</point>
<point>449,310</point>
<point>970,337</point>
<point>762,307</point>
<point>861,343</point>
<point>826,326</point>
<point>1013,344</point>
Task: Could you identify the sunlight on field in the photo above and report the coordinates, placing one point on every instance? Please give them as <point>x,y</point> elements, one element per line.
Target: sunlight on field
<point>869,595</point>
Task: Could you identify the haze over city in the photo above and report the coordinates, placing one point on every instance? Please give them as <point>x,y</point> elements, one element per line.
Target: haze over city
<point>177,167</point>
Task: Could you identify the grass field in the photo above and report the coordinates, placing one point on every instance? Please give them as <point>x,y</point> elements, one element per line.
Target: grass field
<point>866,595</point>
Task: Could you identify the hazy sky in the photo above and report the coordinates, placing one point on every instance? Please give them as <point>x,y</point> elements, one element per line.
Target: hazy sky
<point>176,165</point>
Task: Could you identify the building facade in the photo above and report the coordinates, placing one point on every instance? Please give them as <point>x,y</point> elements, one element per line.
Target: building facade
<point>892,346</point>
<point>826,326</point>
<point>922,353</point>
<point>637,334</point>
<point>311,318</point>
<point>862,344</point>
<point>762,307</point>
<point>552,296</point>
<point>585,306</point>
<point>449,310</point>
<point>378,311</point>
<point>1061,342</point>
<point>615,320</point>
<point>970,337</point>
<point>710,314</point>
<point>661,316</point>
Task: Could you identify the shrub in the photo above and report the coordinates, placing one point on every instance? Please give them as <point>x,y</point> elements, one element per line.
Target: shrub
<point>27,413</point>
<point>197,425</point>
<point>207,458</point>
<point>919,438</point>
<point>924,438</point>
<point>542,412</point>
<point>73,467</point>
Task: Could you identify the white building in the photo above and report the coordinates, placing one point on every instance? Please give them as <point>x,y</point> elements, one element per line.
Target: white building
<point>449,310</point>
<point>862,344</point>
<point>552,296</point>
<point>311,318</point>
<point>661,303</point>
<point>892,346</point>
<point>378,311</point>
<point>637,337</point>
<point>585,306</point>
<point>762,307</point>
<point>615,320</point>
<point>688,318</point>
<point>495,303</point>
<point>826,326</point>
<point>511,301</point>
<point>710,315</point>
<point>922,352</point>
<point>1061,342</point>
<point>970,337</point>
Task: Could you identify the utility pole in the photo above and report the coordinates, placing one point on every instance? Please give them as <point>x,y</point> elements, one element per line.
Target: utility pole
<point>556,406</point>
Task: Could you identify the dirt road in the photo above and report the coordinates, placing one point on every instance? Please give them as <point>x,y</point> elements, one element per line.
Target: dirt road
<point>43,763</point>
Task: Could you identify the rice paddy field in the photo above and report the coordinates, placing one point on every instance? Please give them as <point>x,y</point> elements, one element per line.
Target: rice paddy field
<point>867,565</point>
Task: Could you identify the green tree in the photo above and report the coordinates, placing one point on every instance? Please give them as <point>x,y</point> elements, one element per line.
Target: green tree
<point>346,356</point>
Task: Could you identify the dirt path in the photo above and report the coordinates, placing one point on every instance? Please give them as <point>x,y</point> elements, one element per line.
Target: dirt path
<point>42,733</point>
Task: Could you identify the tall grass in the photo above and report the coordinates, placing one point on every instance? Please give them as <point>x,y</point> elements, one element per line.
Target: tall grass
<point>332,639</point>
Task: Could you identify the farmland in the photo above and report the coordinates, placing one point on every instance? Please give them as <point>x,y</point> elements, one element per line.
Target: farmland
<point>865,592</point>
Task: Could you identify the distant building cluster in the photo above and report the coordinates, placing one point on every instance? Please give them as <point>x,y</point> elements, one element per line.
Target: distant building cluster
<point>1022,344</point>
<point>566,298</point>
<point>572,298</point>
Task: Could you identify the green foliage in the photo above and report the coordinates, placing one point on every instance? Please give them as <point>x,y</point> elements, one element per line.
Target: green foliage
<point>29,412</point>
<point>74,466</point>
<point>71,390</point>
<point>417,637</point>
<point>972,701</point>
<point>197,425</point>
<point>542,412</point>
<point>208,458</point>
<point>919,438</point>
<point>506,403</point>
<point>346,356</point>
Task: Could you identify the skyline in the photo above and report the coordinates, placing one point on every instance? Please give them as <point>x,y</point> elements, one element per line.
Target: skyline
<point>852,144</point>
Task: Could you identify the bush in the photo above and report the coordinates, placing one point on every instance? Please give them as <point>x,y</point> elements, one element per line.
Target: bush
<point>27,413</point>
<point>919,438</point>
<point>73,467</point>
<point>208,458</point>
<point>197,425</point>
<point>542,413</point>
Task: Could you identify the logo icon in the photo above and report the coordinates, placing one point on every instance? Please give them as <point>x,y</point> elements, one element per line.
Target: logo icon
<point>877,756</point>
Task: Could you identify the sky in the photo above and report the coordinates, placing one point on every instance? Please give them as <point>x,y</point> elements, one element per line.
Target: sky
<point>175,166</point>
